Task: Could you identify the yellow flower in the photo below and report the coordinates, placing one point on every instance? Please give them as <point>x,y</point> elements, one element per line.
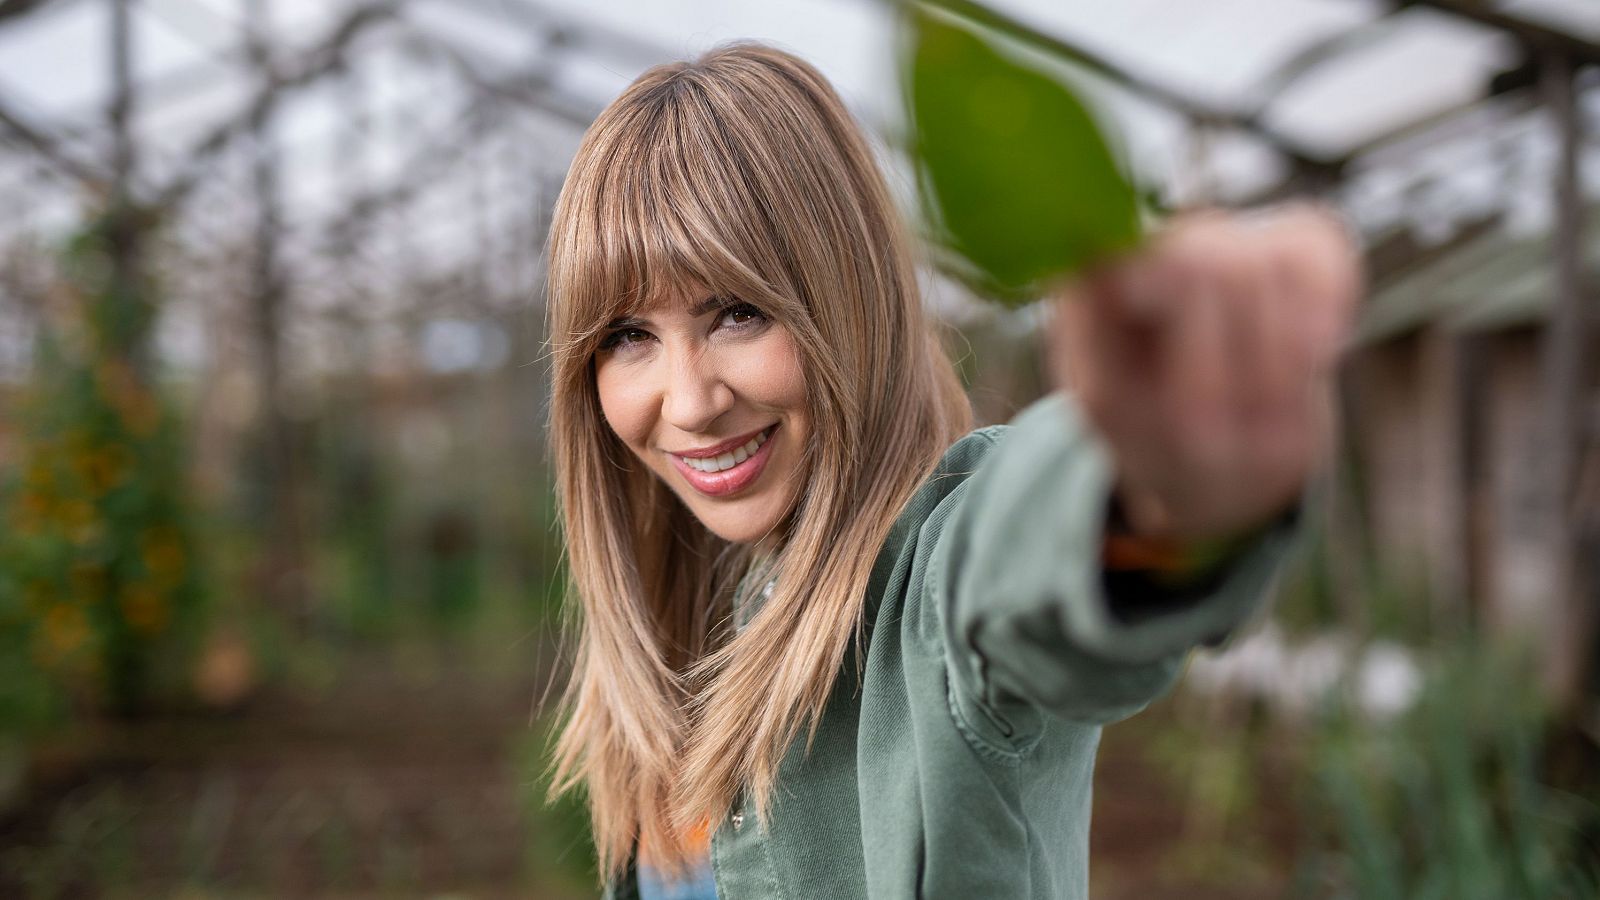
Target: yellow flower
<point>107,467</point>
<point>83,466</point>
<point>65,630</point>
<point>81,521</point>
<point>40,476</point>
<point>162,551</point>
<point>30,513</point>
<point>88,581</point>
<point>144,608</point>
<point>75,513</point>
<point>132,400</point>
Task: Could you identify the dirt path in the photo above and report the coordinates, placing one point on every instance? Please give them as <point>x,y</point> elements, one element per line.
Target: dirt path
<point>1153,837</point>
<point>383,784</point>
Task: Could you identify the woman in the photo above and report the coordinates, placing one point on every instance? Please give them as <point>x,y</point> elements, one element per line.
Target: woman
<point>829,646</point>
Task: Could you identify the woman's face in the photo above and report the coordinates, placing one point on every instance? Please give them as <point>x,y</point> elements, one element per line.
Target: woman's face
<point>708,393</point>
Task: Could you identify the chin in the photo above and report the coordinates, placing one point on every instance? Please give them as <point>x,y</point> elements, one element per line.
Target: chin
<point>740,523</point>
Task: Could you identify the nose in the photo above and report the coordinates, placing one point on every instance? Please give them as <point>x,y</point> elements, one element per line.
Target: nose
<point>695,394</point>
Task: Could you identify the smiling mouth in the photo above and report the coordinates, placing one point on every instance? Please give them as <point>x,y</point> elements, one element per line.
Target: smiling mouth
<point>728,472</point>
<point>729,459</point>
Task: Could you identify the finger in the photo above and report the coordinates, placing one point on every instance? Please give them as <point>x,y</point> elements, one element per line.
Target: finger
<point>1294,447</point>
<point>1136,291</point>
<point>1143,288</point>
<point>1322,265</point>
<point>1263,369</point>
<point>1197,382</point>
<point>1289,430</point>
<point>1285,355</point>
<point>1068,332</point>
<point>1095,353</point>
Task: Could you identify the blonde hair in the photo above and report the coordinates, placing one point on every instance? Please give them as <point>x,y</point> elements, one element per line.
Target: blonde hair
<point>741,172</point>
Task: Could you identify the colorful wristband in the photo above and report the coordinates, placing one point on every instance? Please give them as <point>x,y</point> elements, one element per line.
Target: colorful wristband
<point>1174,561</point>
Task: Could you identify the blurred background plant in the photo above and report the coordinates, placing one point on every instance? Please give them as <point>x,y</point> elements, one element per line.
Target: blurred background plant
<point>1453,797</point>
<point>1306,761</point>
<point>101,597</point>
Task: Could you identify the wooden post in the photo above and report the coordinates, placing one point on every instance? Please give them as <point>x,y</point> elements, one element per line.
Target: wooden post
<point>1564,386</point>
<point>284,559</point>
<point>122,148</point>
<point>123,223</point>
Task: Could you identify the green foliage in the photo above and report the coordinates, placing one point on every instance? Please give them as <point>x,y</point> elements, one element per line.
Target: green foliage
<point>357,494</point>
<point>562,843</point>
<point>99,599</point>
<point>1015,174</point>
<point>1449,802</point>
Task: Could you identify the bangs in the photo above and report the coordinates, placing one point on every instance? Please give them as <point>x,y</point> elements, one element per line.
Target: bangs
<point>668,203</point>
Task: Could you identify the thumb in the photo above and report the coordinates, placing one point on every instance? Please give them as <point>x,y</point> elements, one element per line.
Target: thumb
<point>1094,339</point>
<point>1133,291</point>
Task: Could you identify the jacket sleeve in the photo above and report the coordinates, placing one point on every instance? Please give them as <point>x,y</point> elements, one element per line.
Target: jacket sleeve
<point>1016,577</point>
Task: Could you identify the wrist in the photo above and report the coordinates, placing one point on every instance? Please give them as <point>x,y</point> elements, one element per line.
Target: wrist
<point>1170,559</point>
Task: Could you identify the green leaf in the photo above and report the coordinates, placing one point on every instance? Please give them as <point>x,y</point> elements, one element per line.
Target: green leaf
<point>1015,174</point>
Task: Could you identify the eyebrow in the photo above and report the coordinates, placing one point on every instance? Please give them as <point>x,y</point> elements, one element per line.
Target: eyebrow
<point>709,304</point>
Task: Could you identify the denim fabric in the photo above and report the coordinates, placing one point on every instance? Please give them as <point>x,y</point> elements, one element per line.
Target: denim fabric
<point>699,885</point>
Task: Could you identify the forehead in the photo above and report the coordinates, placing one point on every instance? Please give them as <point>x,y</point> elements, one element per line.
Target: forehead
<point>680,297</point>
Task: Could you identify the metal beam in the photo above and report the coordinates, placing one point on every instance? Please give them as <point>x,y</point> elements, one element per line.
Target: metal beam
<point>16,9</point>
<point>415,176</point>
<point>120,115</point>
<point>530,87</point>
<point>1318,53</point>
<point>1540,38</point>
<point>328,56</point>
<point>527,89</point>
<point>48,147</point>
<point>569,32</point>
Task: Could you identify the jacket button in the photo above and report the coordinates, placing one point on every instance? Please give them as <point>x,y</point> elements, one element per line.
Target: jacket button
<point>737,819</point>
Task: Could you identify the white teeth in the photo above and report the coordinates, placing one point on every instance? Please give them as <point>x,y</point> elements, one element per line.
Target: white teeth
<point>727,460</point>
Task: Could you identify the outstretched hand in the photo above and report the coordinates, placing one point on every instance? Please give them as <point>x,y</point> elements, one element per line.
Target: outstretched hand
<point>1206,361</point>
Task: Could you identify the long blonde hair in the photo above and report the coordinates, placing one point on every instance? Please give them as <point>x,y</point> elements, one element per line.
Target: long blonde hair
<point>741,172</point>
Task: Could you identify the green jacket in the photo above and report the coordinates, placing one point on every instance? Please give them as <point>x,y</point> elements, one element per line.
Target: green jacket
<point>960,766</point>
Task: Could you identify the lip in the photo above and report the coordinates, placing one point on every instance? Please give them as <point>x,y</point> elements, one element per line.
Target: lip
<point>728,481</point>
<point>719,449</point>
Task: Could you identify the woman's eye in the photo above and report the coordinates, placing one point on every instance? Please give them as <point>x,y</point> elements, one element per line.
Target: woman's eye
<point>742,315</point>
<point>623,338</point>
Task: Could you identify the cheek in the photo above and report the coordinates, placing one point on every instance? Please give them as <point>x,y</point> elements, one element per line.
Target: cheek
<point>625,403</point>
<point>768,373</point>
